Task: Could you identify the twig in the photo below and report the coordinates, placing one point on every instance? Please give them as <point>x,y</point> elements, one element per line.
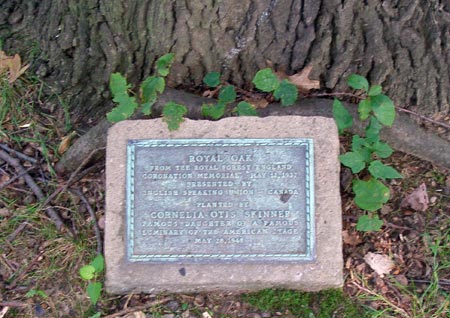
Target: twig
<point>335,94</point>
<point>387,301</point>
<point>91,211</point>
<point>423,117</point>
<point>13,304</point>
<point>18,154</point>
<point>17,176</point>
<point>425,281</point>
<point>139,308</point>
<point>17,231</point>
<point>24,272</point>
<point>72,177</point>
<point>33,186</point>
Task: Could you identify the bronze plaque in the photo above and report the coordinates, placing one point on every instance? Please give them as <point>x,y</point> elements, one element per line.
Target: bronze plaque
<point>203,200</point>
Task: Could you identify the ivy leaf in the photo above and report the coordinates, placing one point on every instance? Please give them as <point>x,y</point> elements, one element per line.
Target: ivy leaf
<point>124,111</point>
<point>368,224</point>
<point>212,79</point>
<point>126,104</point>
<point>94,290</point>
<point>358,82</point>
<point>246,109</point>
<point>360,146</point>
<point>370,195</point>
<point>227,94</point>
<point>98,263</point>
<point>375,90</point>
<point>341,116</point>
<point>87,272</point>
<point>213,111</point>
<point>384,109</point>
<point>353,160</point>
<point>118,85</point>
<point>364,109</point>
<point>382,149</point>
<point>287,92</point>
<point>266,81</point>
<point>381,171</point>
<point>163,64</point>
<point>173,115</point>
<point>373,130</point>
<point>150,88</point>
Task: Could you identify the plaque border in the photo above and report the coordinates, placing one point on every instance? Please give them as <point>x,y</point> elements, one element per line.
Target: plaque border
<point>308,143</point>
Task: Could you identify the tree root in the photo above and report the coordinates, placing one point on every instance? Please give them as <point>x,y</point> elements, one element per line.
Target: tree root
<point>405,135</point>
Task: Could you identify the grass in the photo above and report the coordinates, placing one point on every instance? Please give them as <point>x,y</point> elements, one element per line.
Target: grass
<point>324,304</point>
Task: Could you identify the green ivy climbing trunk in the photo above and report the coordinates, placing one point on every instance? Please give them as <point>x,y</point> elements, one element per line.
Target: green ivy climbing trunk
<point>400,44</point>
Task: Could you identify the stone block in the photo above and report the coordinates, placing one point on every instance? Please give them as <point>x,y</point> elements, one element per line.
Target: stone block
<point>238,204</point>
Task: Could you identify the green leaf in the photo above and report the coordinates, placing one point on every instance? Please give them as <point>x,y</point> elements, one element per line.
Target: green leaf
<point>358,82</point>
<point>94,290</point>
<point>384,109</point>
<point>215,111</point>
<point>373,130</point>
<point>212,79</point>
<point>381,171</point>
<point>163,64</point>
<point>266,81</point>
<point>36,292</point>
<point>87,272</point>
<point>375,90</point>
<point>353,160</point>
<point>364,109</point>
<point>368,224</point>
<point>360,146</point>
<point>370,195</point>
<point>126,104</point>
<point>382,149</point>
<point>124,111</point>
<point>287,92</point>
<point>341,116</point>
<point>98,263</point>
<point>150,88</point>
<point>118,85</point>
<point>227,94</point>
<point>173,115</point>
<point>96,315</point>
<point>246,109</point>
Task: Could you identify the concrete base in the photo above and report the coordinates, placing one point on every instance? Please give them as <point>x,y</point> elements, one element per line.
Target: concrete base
<point>324,272</point>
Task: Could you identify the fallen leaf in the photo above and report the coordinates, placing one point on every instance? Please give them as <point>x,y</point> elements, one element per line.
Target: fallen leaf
<point>206,315</point>
<point>12,65</point>
<point>65,143</point>
<point>417,200</point>
<point>381,264</point>
<point>302,81</point>
<point>258,103</point>
<point>139,314</point>
<point>351,239</point>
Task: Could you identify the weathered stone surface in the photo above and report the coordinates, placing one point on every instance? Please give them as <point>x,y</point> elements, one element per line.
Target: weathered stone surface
<point>324,271</point>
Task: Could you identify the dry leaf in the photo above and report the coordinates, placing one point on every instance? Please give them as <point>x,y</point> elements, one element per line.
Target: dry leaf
<point>258,103</point>
<point>65,143</point>
<point>381,264</point>
<point>206,315</point>
<point>417,200</point>
<point>302,81</point>
<point>139,314</point>
<point>12,65</point>
<point>351,239</point>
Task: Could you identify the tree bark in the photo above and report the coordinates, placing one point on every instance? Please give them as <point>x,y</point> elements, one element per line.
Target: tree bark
<point>400,44</point>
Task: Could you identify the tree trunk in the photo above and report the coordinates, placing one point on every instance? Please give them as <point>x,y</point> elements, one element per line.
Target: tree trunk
<point>400,44</point>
